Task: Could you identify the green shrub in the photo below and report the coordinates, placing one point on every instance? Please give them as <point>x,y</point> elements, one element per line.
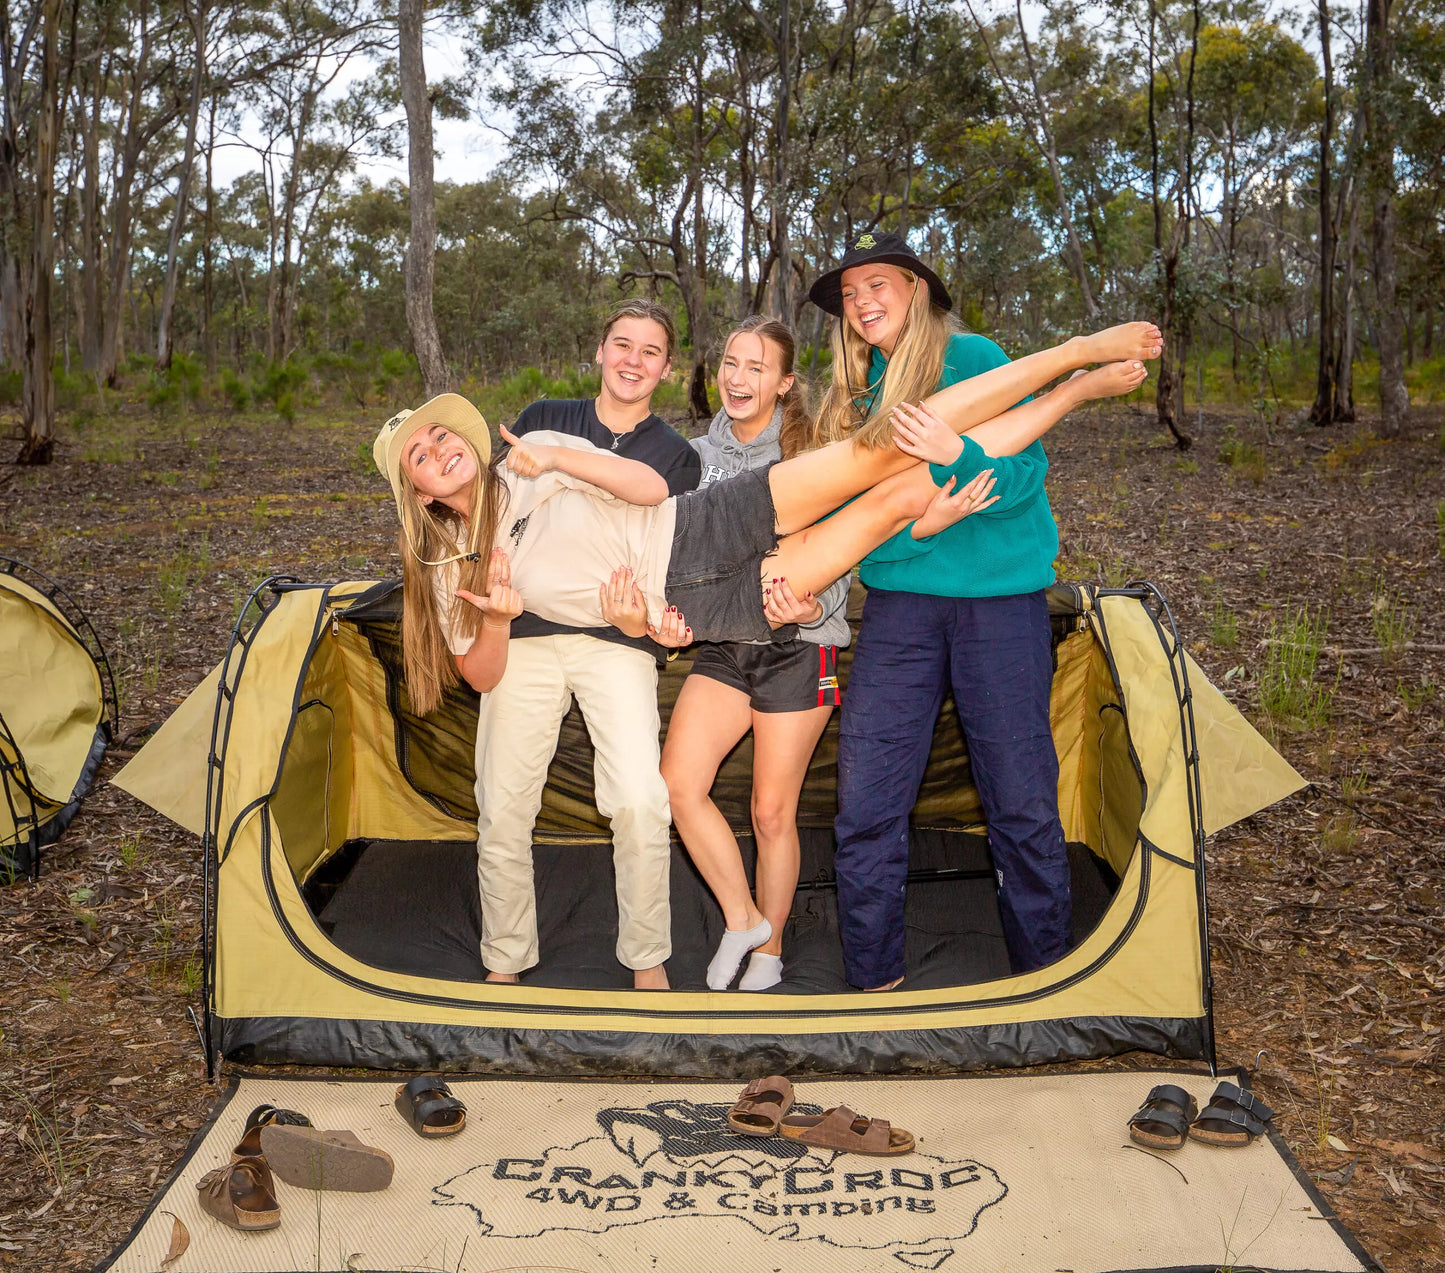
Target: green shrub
<point>237,390</point>
<point>397,378</point>
<point>1223,626</point>
<point>12,385</point>
<point>284,385</point>
<point>71,386</point>
<point>1288,692</point>
<point>178,384</point>
<point>1243,457</point>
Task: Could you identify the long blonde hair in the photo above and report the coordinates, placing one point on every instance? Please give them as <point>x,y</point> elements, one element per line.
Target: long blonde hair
<point>799,431</point>
<point>858,406</point>
<point>430,533</point>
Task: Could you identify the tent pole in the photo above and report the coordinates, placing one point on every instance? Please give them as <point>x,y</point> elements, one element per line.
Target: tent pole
<point>215,782</point>
<point>1189,741</point>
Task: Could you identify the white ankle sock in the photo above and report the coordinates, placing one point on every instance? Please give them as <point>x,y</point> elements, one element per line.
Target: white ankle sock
<point>730,952</point>
<point>762,971</point>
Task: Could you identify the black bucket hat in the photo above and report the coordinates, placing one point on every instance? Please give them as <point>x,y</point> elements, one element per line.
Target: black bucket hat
<point>868,247</point>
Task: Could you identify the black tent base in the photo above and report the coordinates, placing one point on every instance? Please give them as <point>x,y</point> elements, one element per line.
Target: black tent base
<point>406,1045</point>
<point>412,907</point>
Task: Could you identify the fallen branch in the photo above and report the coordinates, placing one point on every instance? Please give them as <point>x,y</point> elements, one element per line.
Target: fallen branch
<point>1336,652</point>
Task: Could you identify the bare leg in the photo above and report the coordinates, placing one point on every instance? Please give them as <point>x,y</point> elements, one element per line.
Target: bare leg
<point>815,556</point>
<point>1016,430</point>
<point>707,723</point>
<point>811,485</point>
<point>783,743</point>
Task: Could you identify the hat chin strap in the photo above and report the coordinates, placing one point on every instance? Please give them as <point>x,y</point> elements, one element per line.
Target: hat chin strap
<point>445,561</point>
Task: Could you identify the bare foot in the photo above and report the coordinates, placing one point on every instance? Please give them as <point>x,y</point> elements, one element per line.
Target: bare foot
<point>1126,341</point>
<point>892,985</point>
<point>1112,380</point>
<point>510,978</point>
<point>650,978</point>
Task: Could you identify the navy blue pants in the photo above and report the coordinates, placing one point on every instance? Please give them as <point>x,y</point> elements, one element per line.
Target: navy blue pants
<point>994,653</point>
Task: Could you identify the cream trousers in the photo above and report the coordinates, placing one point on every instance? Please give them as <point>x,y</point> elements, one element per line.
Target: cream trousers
<point>517,727</point>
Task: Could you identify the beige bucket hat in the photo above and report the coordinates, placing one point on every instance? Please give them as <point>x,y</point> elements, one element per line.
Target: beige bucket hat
<point>451,411</point>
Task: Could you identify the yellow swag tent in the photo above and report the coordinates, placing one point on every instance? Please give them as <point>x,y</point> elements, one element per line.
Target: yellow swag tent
<point>341,896</point>
<point>57,713</point>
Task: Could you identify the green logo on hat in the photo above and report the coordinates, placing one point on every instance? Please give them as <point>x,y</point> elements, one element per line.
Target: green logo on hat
<point>866,241</point>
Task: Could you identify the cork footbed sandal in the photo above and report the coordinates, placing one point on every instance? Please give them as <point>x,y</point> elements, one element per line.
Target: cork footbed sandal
<point>840,1128</point>
<point>309,1158</point>
<point>428,1105</point>
<point>1232,1119</point>
<point>241,1195</point>
<point>761,1105</point>
<point>1162,1122</point>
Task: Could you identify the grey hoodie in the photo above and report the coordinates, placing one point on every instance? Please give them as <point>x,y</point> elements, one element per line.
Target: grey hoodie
<point>723,456</point>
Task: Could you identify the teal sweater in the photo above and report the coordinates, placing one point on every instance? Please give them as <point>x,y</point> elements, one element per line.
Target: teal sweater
<point>1007,549</point>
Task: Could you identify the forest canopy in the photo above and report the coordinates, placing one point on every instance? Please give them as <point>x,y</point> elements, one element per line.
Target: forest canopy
<point>1263,179</point>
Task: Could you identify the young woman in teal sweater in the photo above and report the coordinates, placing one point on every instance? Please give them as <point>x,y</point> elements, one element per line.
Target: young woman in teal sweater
<point>963,610</point>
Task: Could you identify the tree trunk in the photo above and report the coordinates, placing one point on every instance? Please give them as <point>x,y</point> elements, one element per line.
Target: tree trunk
<point>39,373</point>
<point>89,319</point>
<point>1389,322</point>
<point>15,47</point>
<point>782,242</point>
<point>1051,153</point>
<point>1323,411</point>
<point>208,335</point>
<point>421,250</point>
<point>1168,389</point>
<point>698,317</point>
<point>183,190</point>
<point>117,273</point>
<point>1345,358</point>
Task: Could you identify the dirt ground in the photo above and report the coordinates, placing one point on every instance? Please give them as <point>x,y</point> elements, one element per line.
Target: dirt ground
<point>1328,910</point>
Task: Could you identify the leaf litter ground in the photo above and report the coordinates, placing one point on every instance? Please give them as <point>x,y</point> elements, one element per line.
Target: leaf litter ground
<point>1328,910</point>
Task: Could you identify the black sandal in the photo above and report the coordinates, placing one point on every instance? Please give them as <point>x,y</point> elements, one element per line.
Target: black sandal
<point>1233,1118</point>
<point>1162,1122</point>
<point>428,1105</point>
<point>249,1146</point>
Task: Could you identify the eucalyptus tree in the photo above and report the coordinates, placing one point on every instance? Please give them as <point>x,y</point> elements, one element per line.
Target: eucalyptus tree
<point>619,106</point>
<point>1379,97</point>
<point>30,61</point>
<point>1017,67</point>
<point>306,133</point>
<point>1257,92</point>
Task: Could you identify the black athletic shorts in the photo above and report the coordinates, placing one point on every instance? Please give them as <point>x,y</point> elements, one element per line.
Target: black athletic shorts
<point>722,534</point>
<point>784,676</point>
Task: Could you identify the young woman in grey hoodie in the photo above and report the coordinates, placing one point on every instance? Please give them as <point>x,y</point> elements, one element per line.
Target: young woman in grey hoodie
<point>784,691</point>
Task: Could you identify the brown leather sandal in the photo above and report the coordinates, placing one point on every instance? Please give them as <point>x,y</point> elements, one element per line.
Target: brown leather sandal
<point>241,1194</point>
<point>761,1106</point>
<point>841,1128</point>
<point>309,1158</point>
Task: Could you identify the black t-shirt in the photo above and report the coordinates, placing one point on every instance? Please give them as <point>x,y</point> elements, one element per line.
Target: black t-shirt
<point>653,443</point>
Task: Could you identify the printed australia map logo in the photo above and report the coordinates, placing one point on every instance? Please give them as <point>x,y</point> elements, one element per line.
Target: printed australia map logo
<point>674,1159</point>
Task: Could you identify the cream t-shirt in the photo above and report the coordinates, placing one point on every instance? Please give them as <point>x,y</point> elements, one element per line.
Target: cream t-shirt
<point>565,537</point>
<point>444,583</point>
